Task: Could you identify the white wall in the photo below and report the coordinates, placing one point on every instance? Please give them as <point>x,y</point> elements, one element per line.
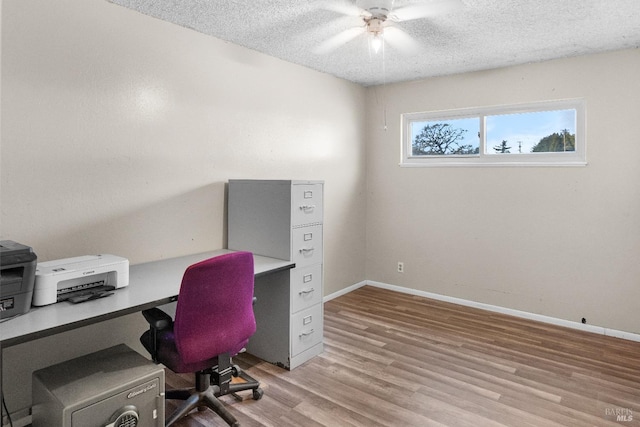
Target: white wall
<point>119,132</point>
<point>561,242</point>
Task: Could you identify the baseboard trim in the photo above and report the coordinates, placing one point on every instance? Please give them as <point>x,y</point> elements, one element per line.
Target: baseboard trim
<point>494,308</point>
<point>344,291</point>
<point>21,418</point>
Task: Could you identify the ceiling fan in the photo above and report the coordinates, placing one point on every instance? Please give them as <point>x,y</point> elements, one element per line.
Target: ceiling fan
<point>378,19</point>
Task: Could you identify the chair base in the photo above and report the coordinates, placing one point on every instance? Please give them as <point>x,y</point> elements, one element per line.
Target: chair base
<point>210,384</point>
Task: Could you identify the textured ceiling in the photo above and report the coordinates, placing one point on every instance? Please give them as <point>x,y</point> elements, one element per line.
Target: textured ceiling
<point>475,35</point>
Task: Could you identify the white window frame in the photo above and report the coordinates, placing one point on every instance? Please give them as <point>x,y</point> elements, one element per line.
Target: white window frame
<point>567,158</point>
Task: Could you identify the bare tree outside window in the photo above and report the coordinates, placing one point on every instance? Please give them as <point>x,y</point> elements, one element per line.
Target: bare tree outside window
<point>441,139</point>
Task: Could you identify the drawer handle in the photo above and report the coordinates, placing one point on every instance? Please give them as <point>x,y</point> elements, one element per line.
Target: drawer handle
<point>307,207</point>
<point>306,291</point>
<point>306,250</point>
<point>306,334</point>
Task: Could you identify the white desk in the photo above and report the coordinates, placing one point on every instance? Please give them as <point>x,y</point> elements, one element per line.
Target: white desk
<point>150,284</point>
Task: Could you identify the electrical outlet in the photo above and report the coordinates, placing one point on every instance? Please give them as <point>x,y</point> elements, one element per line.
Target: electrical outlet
<point>400,267</point>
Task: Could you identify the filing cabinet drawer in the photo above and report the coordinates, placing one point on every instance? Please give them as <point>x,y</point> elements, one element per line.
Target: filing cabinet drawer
<point>306,287</point>
<point>306,245</point>
<point>306,329</point>
<point>306,204</point>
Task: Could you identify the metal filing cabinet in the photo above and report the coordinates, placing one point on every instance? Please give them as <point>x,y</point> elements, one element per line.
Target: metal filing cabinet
<point>283,219</point>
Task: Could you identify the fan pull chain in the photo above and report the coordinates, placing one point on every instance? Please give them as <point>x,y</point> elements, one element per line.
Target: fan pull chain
<point>384,91</point>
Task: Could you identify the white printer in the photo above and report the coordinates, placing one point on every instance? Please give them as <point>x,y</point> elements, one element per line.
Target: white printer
<point>79,279</point>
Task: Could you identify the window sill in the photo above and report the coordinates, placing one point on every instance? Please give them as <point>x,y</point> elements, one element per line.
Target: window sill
<point>465,164</point>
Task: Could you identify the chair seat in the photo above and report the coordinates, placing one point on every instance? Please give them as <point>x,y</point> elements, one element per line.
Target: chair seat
<point>167,353</point>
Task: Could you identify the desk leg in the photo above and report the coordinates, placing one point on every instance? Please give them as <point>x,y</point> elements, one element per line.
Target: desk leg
<point>1,392</point>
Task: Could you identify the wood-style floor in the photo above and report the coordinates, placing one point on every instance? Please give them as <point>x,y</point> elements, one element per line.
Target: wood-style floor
<point>393,359</point>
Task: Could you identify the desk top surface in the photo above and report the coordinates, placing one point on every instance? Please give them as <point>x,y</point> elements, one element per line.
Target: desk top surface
<point>150,284</point>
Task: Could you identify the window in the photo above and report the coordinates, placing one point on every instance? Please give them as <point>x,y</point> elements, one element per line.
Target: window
<point>542,134</point>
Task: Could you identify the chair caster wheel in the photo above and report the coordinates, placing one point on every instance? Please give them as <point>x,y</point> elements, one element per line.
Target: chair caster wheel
<point>257,394</point>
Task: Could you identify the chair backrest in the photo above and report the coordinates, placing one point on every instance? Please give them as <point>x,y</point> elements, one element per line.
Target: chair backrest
<point>214,314</point>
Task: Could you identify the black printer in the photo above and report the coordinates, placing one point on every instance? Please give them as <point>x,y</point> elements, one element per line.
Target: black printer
<point>17,277</point>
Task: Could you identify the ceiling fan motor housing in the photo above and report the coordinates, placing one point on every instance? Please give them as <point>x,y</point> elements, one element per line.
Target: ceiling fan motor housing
<point>374,26</point>
<point>379,9</point>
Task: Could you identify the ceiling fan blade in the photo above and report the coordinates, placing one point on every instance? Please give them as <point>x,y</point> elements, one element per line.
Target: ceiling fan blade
<point>342,7</point>
<point>338,40</point>
<point>401,41</point>
<point>425,9</point>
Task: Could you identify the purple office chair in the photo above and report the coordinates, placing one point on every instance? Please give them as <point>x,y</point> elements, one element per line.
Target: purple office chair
<point>214,320</point>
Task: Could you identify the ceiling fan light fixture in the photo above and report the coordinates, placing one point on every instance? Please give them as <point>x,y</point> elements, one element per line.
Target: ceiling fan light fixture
<point>376,42</point>
<point>375,31</point>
